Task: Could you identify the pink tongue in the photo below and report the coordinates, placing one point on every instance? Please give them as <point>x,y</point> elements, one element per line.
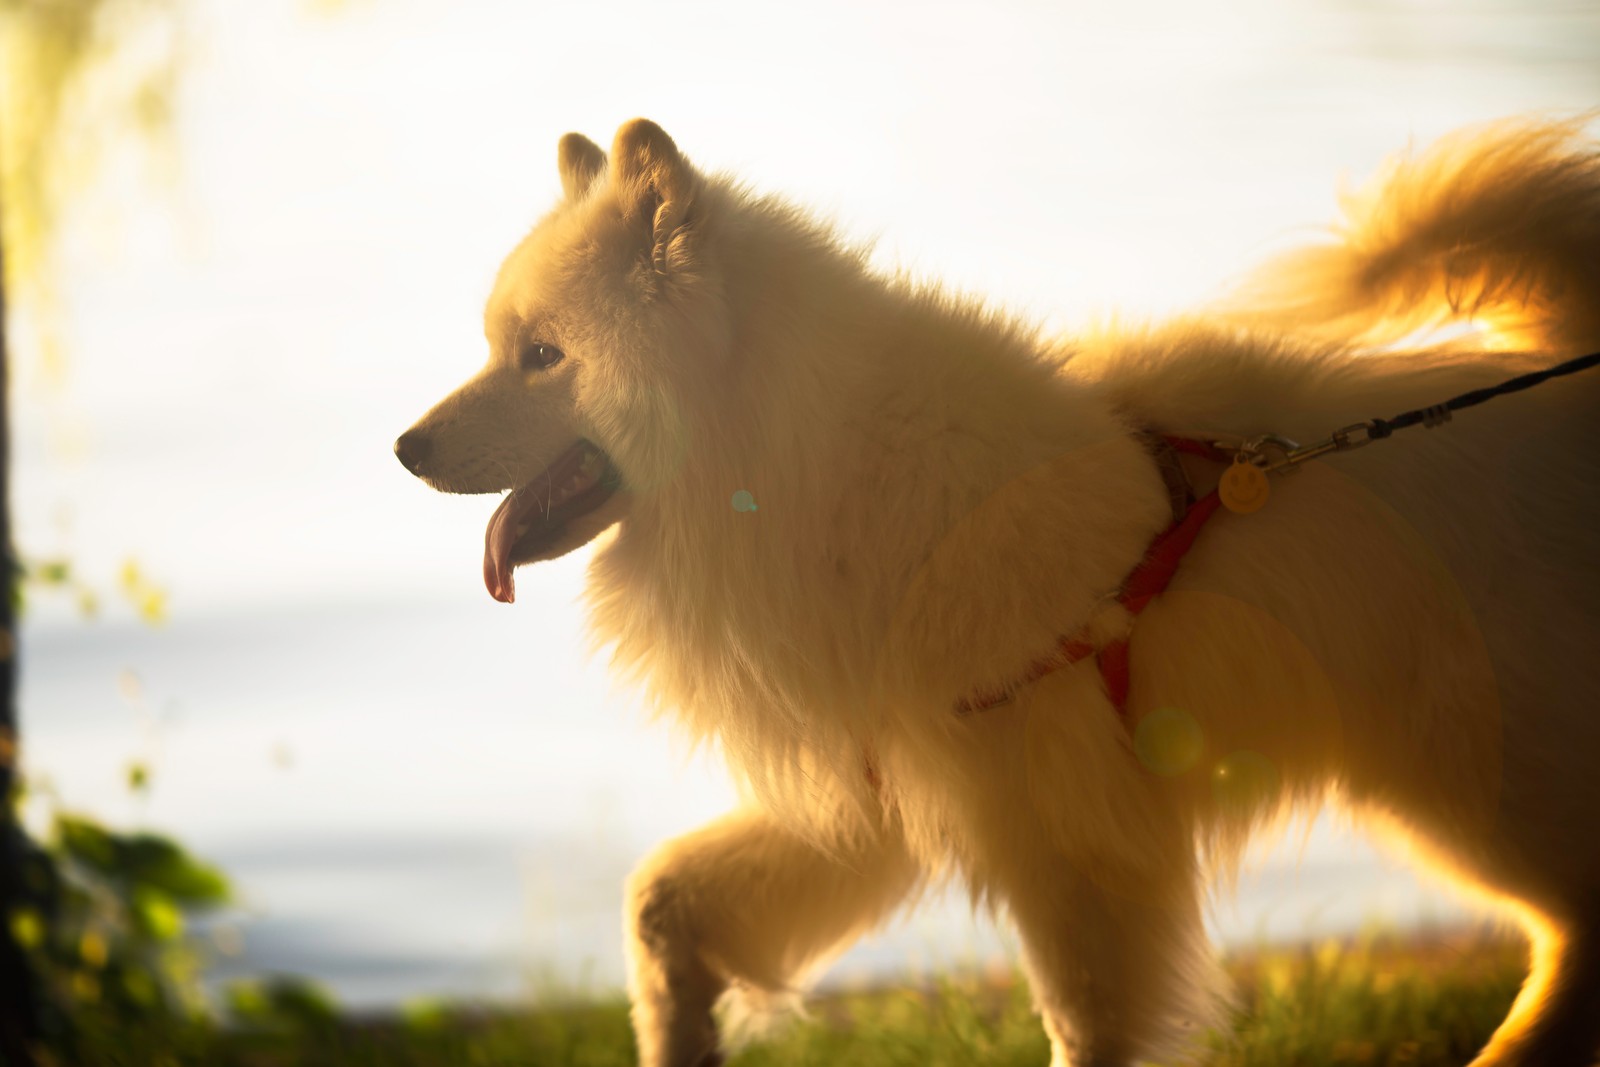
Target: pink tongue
<point>527,503</point>
<point>497,542</point>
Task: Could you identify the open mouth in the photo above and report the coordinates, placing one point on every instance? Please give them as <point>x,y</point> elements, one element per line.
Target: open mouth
<point>538,517</point>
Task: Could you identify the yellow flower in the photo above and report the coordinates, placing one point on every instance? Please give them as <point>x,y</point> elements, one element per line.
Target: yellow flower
<point>131,578</point>
<point>92,949</point>
<point>27,928</point>
<point>153,606</point>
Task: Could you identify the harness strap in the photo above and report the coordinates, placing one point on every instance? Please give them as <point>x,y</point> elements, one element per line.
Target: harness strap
<point>1143,584</point>
<point>1149,579</point>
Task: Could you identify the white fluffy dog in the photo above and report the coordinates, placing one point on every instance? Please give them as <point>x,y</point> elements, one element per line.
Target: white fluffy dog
<point>869,539</point>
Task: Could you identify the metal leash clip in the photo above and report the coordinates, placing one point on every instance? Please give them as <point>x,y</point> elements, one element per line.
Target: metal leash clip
<point>1342,441</point>
<point>1243,487</point>
<point>1288,452</point>
<point>1291,452</point>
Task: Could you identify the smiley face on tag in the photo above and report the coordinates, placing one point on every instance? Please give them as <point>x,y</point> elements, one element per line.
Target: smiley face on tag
<point>1243,488</point>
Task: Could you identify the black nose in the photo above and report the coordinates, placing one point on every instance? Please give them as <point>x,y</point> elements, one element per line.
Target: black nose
<point>413,449</point>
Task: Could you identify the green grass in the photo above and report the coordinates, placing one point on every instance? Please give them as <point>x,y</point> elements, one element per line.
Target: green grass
<point>1376,1001</point>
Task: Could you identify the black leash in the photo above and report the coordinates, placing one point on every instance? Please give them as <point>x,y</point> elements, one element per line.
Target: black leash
<point>1439,413</point>
<point>1362,433</point>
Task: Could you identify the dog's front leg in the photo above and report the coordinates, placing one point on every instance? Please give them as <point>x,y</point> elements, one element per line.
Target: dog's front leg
<point>1120,967</point>
<point>743,900</point>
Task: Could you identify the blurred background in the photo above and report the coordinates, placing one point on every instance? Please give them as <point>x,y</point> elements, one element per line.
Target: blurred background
<point>268,246</point>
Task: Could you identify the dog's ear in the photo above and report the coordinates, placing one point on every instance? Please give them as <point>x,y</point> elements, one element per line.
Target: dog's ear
<point>581,162</point>
<point>654,183</point>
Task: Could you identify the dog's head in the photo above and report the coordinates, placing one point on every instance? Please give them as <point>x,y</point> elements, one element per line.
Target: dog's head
<point>597,320</point>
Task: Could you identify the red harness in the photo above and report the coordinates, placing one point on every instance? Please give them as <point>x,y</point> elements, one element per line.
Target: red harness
<point>1146,581</point>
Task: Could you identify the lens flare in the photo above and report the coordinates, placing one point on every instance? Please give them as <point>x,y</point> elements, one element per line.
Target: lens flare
<point>1168,741</point>
<point>1245,779</point>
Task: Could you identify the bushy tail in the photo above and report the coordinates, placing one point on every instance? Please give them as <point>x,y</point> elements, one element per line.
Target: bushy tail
<point>1499,225</point>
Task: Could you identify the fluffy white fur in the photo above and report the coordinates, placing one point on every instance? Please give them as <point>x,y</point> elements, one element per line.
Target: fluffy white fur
<point>1407,630</point>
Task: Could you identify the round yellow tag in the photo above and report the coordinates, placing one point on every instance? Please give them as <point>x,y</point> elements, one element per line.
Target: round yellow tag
<point>1243,488</point>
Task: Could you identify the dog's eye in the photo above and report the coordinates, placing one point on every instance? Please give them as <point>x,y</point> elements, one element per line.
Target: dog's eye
<point>541,357</point>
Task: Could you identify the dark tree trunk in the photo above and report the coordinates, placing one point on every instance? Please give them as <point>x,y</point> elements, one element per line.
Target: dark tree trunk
<point>19,1015</point>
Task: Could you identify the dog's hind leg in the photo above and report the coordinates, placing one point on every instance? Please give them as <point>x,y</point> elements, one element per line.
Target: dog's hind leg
<point>743,900</point>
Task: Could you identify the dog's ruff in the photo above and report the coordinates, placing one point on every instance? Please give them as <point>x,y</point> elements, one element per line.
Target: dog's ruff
<point>1405,631</point>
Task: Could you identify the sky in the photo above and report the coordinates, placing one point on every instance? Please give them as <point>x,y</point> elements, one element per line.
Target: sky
<point>335,709</point>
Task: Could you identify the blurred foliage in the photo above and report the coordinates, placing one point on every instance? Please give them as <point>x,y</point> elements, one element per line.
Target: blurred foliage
<point>58,577</point>
<point>111,922</point>
<point>121,927</point>
<point>105,917</point>
<point>77,78</point>
<point>282,1005</point>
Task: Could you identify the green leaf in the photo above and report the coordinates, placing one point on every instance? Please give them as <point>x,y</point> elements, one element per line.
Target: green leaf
<point>53,572</point>
<point>247,1001</point>
<point>425,1015</point>
<point>156,915</point>
<point>160,863</point>
<point>19,578</point>
<point>302,1003</point>
<point>88,843</point>
<point>140,988</point>
<point>282,1001</point>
